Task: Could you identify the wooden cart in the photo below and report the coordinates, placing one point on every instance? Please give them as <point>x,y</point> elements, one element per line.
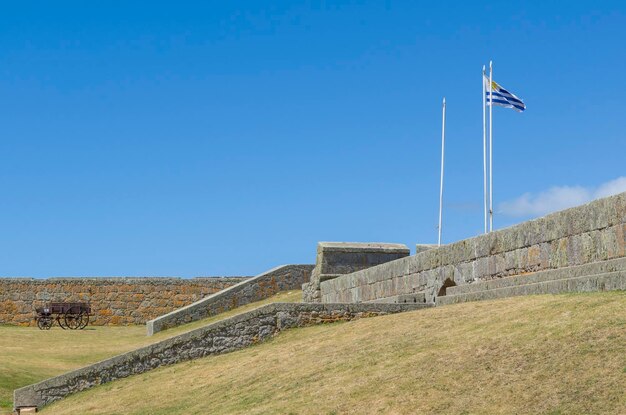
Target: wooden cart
<point>71,316</point>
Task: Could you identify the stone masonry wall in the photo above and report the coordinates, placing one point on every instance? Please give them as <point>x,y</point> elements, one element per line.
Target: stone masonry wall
<point>337,258</point>
<point>224,336</point>
<point>576,236</point>
<point>115,301</point>
<point>284,277</point>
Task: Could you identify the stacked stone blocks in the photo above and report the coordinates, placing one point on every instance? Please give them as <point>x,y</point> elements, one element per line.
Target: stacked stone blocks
<point>337,258</point>
<point>581,235</point>
<point>115,301</point>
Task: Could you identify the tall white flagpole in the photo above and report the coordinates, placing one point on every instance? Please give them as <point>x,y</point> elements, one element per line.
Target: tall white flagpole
<point>490,146</point>
<point>443,143</point>
<point>484,150</point>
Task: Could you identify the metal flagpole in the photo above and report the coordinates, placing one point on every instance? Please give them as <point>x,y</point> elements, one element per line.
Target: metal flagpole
<point>443,142</point>
<point>484,150</point>
<point>490,146</point>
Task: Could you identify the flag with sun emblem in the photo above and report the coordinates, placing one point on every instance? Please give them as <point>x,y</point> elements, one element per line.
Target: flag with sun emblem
<point>502,97</point>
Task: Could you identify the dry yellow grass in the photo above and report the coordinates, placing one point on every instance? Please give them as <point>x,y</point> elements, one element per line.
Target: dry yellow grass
<point>29,355</point>
<point>561,354</point>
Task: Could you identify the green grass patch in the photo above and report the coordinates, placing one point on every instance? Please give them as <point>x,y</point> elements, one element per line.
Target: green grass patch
<point>537,354</point>
<point>29,355</point>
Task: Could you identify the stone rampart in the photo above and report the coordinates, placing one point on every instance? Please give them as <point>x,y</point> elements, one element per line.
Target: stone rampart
<point>115,301</point>
<point>224,336</point>
<point>285,277</point>
<point>337,258</point>
<point>576,236</point>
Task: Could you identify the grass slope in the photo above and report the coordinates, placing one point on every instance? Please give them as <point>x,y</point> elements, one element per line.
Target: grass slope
<point>29,355</point>
<point>540,354</point>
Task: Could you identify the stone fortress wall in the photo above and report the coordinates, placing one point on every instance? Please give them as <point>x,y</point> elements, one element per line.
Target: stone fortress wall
<point>115,301</point>
<point>581,235</point>
<point>579,249</point>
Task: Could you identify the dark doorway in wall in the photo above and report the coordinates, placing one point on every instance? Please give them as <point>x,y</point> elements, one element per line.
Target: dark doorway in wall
<point>447,283</point>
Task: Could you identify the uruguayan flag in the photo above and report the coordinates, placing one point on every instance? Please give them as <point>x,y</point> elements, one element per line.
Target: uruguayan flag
<point>502,97</point>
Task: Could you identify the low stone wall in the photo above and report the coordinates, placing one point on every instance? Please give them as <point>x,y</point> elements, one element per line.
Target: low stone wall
<point>285,277</point>
<point>224,336</point>
<point>337,258</point>
<point>115,301</point>
<point>580,235</point>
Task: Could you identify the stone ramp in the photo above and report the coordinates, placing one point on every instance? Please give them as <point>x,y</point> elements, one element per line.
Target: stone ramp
<point>596,276</point>
<point>593,268</point>
<point>260,287</point>
<point>224,336</point>
<point>606,281</point>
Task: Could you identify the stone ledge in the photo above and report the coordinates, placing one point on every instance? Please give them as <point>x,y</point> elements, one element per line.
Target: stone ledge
<point>363,247</point>
<point>609,281</point>
<point>593,268</point>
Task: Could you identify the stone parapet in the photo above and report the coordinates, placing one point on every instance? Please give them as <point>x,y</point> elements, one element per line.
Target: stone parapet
<point>581,235</point>
<point>114,300</point>
<point>284,277</point>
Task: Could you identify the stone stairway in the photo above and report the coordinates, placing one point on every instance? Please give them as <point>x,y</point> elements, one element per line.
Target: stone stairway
<point>596,276</point>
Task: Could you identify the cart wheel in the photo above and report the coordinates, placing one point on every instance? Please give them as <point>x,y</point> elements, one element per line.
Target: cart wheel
<point>44,323</point>
<point>61,323</point>
<point>72,320</point>
<point>48,323</point>
<point>85,321</point>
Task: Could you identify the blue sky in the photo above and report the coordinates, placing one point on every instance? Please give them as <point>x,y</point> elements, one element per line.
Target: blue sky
<point>224,138</point>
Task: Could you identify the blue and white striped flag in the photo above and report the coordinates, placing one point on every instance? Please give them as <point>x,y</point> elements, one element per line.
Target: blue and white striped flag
<point>502,97</point>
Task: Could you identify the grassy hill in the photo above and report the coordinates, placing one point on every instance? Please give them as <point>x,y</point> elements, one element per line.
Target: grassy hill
<point>29,355</point>
<point>561,354</point>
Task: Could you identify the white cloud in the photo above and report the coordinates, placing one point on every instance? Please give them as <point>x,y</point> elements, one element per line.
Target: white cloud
<point>559,198</point>
<point>611,188</point>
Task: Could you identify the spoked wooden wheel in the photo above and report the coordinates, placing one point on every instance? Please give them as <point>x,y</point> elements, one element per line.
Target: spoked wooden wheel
<point>73,320</point>
<point>44,323</point>
<point>84,320</point>
<point>61,322</point>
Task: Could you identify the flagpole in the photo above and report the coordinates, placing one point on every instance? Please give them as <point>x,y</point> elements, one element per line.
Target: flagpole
<point>443,142</point>
<point>490,146</point>
<point>484,151</point>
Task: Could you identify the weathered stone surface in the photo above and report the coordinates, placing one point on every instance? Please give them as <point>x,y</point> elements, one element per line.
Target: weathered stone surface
<point>284,277</point>
<point>115,301</point>
<point>424,247</point>
<point>581,235</point>
<point>224,336</point>
<point>417,298</point>
<point>594,268</point>
<point>599,282</point>
<point>338,258</point>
